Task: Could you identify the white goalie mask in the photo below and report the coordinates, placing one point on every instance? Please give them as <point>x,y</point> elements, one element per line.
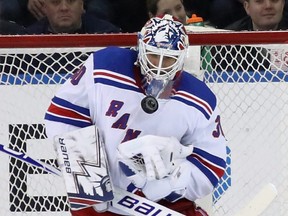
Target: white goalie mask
<point>162,45</point>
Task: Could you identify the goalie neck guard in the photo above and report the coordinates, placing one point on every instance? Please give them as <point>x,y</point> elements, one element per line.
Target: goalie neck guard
<point>162,45</point>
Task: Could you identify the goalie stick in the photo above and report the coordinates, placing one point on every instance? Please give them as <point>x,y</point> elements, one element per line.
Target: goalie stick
<point>260,202</point>
<point>123,200</point>
<point>21,156</point>
<point>136,205</point>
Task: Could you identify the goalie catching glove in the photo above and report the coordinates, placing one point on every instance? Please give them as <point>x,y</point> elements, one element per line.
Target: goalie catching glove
<point>156,165</point>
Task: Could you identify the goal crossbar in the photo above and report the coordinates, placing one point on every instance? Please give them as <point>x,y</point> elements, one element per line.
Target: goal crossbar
<point>130,39</point>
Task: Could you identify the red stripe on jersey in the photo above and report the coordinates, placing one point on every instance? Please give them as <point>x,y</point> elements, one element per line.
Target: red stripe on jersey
<point>208,108</point>
<point>218,171</point>
<point>83,201</point>
<point>67,113</point>
<point>114,76</point>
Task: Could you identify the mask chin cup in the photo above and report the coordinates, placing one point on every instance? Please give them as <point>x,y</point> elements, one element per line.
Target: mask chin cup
<point>155,87</point>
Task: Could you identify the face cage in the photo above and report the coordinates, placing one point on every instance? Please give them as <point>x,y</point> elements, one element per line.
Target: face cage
<point>157,72</point>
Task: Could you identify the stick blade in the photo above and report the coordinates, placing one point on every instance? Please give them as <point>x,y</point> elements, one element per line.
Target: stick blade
<point>260,202</point>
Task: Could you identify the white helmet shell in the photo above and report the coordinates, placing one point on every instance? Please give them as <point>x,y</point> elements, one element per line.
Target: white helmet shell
<point>166,37</point>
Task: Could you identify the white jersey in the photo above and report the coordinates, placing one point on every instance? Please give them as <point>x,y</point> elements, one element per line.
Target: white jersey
<point>107,92</point>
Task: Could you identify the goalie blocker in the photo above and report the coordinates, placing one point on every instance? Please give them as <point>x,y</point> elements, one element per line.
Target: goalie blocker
<point>82,160</point>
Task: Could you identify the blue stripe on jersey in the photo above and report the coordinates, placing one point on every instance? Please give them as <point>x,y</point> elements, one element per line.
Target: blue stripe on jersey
<point>116,84</point>
<point>116,68</point>
<point>211,165</point>
<point>116,59</point>
<point>219,162</point>
<point>69,105</point>
<point>212,178</point>
<point>61,110</point>
<point>65,120</point>
<point>190,103</point>
<point>195,87</point>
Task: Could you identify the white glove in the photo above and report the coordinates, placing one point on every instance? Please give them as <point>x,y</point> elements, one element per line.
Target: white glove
<point>173,187</point>
<point>150,157</point>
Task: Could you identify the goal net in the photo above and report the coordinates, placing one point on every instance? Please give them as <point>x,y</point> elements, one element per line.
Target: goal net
<point>247,72</point>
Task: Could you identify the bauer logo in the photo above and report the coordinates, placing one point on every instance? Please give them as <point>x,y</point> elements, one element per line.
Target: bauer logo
<point>141,207</point>
<point>65,156</point>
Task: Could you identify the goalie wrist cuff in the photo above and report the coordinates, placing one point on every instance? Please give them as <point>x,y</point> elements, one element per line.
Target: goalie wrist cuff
<point>173,197</point>
<point>157,189</point>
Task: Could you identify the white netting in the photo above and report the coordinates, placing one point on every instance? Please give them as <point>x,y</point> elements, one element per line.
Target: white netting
<point>28,79</point>
<point>250,82</point>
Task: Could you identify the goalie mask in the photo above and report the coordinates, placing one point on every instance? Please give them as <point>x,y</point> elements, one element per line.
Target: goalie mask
<point>162,45</point>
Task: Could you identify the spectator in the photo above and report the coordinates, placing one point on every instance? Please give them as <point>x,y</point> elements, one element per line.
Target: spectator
<point>181,9</point>
<point>262,15</point>
<point>172,7</point>
<point>35,7</point>
<point>22,12</point>
<point>68,16</point>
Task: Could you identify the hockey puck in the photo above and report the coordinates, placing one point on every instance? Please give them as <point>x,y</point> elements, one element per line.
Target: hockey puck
<point>149,104</point>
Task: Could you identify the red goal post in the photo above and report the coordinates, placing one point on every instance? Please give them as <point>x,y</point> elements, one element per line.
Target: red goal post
<point>130,39</point>
<point>246,70</point>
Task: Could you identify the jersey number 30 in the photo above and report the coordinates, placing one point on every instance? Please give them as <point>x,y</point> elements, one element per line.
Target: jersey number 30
<point>218,131</point>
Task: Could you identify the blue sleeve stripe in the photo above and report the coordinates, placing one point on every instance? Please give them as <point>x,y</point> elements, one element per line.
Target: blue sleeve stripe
<point>68,105</point>
<point>117,84</point>
<point>212,178</point>
<point>190,103</point>
<point>115,79</point>
<point>73,122</point>
<point>219,162</point>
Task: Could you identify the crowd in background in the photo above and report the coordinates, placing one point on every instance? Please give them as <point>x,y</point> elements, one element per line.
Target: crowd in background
<point>106,16</point>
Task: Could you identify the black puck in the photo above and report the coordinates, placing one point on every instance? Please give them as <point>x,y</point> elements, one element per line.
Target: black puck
<point>149,104</point>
